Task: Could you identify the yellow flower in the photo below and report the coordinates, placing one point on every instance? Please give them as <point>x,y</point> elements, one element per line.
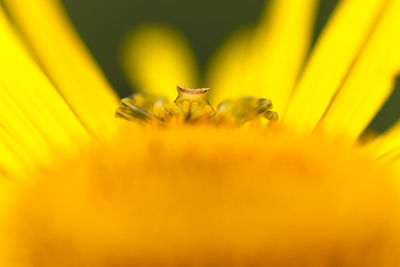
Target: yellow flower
<point>81,188</point>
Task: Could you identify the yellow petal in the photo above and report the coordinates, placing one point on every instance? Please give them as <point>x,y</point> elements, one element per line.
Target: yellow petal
<point>387,144</point>
<point>66,61</point>
<point>370,81</point>
<point>226,70</point>
<point>10,162</point>
<point>270,66</point>
<point>285,38</point>
<point>156,59</point>
<point>34,119</point>
<point>334,57</point>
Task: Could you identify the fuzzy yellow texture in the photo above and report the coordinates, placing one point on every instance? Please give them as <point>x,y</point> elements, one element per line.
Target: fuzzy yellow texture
<point>207,196</point>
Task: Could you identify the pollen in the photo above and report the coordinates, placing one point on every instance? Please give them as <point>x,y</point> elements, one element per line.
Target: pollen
<point>201,195</point>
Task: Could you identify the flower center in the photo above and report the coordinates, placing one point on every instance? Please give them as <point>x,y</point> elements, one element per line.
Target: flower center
<point>199,195</point>
<point>192,106</point>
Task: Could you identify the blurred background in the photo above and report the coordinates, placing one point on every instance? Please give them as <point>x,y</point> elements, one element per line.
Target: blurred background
<point>205,23</point>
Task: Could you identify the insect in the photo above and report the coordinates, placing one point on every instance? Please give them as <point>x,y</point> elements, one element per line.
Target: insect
<point>192,106</point>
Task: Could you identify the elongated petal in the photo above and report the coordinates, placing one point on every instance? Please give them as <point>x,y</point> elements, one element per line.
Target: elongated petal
<point>66,61</point>
<point>34,119</point>
<point>225,74</point>
<point>267,63</point>
<point>156,59</point>
<point>334,57</point>
<point>10,162</point>
<point>371,80</point>
<point>387,144</point>
<point>285,37</point>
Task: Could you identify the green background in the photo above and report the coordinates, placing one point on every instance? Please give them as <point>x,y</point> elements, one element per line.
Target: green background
<point>205,23</point>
